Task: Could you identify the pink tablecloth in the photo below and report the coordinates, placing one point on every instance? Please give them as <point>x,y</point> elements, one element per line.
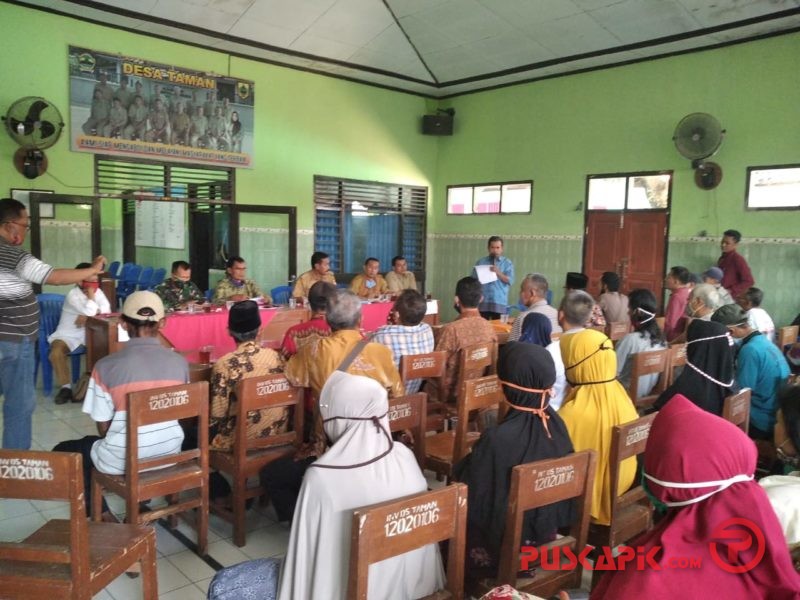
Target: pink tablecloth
<point>187,332</point>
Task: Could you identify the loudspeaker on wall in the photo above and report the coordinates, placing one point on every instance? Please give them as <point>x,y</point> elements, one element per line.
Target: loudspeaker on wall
<point>441,124</point>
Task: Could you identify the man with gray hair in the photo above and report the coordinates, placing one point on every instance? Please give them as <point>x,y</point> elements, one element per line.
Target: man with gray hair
<point>533,294</point>
<point>344,350</point>
<point>704,299</point>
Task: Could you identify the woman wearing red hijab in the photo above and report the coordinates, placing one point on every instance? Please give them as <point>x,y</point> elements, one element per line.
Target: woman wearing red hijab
<point>701,467</point>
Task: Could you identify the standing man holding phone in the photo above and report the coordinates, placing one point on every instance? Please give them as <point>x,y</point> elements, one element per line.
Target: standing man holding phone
<point>495,293</point>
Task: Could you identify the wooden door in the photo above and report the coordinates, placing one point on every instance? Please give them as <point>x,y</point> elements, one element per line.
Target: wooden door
<point>633,244</point>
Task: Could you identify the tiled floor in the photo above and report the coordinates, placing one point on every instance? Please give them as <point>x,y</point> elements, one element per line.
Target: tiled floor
<point>182,575</point>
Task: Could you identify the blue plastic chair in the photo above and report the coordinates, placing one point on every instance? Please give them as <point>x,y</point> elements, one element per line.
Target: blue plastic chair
<point>209,295</point>
<point>281,294</point>
<point>50,306</point>
<point>123,273</point>
<point>113,269</point>
<point>128,282</point>
<point>145,277</point>
<point>157,278</point>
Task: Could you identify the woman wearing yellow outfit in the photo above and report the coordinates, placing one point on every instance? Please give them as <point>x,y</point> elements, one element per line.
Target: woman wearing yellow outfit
<point>596,403</point>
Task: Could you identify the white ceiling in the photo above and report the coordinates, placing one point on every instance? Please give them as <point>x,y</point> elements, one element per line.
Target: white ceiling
<point>444,47</point>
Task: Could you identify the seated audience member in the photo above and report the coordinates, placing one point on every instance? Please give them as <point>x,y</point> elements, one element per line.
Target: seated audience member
<point>596,403</point>
<point>248,360</point>
<point>407,334</point>
<point>530,431</point>
<point>703,301</point>
<point>533,294</point>
<point>783,490</point>
<point>536,330</point>
<point>713,276</point>
<point>573,312</point>
<point>362,467</point>
<point>737,276</point>
<point>750,301</point>
<point>84,300</point>
<point>701,496</point>
<point>234,286</point>
<point>612,302</point>
<point>468,329</point>
<point>579,281</point>
<point>179,290</point>
<point>677,282</point>
<point>369,284</point>
<point>320,271</point>
<point>142,364</point>
<point>345,350</point>
<point>316,328</point>
<point>400,278</point>
<point>708,375</point>
<point>646,335</point>
<point>760,366</point>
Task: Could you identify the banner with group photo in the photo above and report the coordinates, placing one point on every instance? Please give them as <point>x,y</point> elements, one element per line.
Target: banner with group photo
<point>132,107</point>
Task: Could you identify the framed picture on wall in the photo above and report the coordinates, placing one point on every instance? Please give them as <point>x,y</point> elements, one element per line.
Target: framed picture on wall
<point>46,209</point>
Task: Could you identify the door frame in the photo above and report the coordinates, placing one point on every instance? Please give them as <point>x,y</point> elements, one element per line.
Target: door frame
<point>289,211</point>
<point>36,235</point>
<point>668,210</point>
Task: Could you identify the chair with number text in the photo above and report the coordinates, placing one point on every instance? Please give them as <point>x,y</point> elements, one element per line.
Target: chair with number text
<point>430,367</point>
<point>534,485</point>
<point>409,413</point>
<point>373,540</point>
<point>249,455</point>
<point>650,362</point>
<point>616,330</point>
<point>736,409</point>
<point>181,478</point>
<point>677,360</point>
<point>67,558</point>
<point>786,336</point>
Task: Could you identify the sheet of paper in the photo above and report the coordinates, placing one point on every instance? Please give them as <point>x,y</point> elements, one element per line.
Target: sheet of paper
<point>485,274</point>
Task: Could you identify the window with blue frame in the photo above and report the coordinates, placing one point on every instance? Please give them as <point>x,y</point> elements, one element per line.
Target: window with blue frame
<point>359,219</point>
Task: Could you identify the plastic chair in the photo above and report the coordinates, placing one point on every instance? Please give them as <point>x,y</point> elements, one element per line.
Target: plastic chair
<point>113,269</point>
<point>209,295</point>
<point>128,281</point>
<point>124,271</point>
<point>145,277</point>
<point>281,294</point>
<point>50,306</point>
<point>157,278</point>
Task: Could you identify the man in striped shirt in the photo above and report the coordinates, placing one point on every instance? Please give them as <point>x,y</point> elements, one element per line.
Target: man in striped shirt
<point>19,319</point>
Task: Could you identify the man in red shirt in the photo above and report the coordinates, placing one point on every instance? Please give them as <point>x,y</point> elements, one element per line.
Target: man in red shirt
<point>677,283</point>
<point>736,273</point>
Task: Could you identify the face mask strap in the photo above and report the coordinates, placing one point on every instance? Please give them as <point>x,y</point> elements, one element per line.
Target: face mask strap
<point>380,429</point>
<point>540,412</point>
<point>650,315</point>
<point>722,484</point>
<point>588,356</point>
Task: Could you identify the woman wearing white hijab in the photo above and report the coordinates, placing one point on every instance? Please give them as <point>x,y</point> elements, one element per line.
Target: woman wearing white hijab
<point>362,467</point>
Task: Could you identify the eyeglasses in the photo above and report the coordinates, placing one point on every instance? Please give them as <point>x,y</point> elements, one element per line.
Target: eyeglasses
<point>27,226</point>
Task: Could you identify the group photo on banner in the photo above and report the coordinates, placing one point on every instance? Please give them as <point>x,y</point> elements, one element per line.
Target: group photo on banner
<point>130,106</point>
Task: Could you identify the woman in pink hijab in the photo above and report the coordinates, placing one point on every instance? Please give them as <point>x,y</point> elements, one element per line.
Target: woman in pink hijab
<point>701,468</point>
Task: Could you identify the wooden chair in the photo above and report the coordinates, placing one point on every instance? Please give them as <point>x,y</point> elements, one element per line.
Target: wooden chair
<point>616,330</point>
<point>534,485</point>
<point>631,512</point>
<point>198,372</point>
<point>786,336</point>
<point>409,412</point>
<point>283,320</point>
<point>166,476</point>
<point>660,322</point>
<point>249,455</point>
<point>677,359</point>
<point>445,449</point>
<point>67,558</point>
<point>649,363</point>
<point>556,335</point>
<point>374,537</point>
<point>431,367</point>
<point>736,409</point>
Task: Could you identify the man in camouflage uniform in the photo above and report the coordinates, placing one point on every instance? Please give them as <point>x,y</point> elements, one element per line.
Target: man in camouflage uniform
<point>179,290</point>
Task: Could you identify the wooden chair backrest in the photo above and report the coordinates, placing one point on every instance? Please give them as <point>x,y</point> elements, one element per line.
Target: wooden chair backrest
<point>627,440</point>
<point>541,483</point>
<point>649,363</point>
<point>556,335</point>
<point>786,335</point>
<point>198,372</point>
<point>34,475</point>
<point>379,532</point>
<point>264,392</point>
<point>476,361</point>
<point>616,330</point>
<point>158,405</point>
<point>284,319</point>
<point>476,394</point>
<point>677,358</point>
<point>423,366</point>
<point>660,321</point>
<point>736,409</point>
<point>411,412</point>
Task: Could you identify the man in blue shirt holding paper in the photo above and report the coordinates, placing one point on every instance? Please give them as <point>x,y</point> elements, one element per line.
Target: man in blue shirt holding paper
<point>496,273</point>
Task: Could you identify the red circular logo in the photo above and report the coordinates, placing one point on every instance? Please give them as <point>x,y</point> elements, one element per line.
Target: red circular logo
<point>737,535</point>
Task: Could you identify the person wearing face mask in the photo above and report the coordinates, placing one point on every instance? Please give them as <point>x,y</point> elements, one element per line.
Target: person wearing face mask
<point>369,284</point>
<point>85,300</point>
<point>708,375</point>
<point>179,290</point>
<point>704,299</point>
<point>700,469</point>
